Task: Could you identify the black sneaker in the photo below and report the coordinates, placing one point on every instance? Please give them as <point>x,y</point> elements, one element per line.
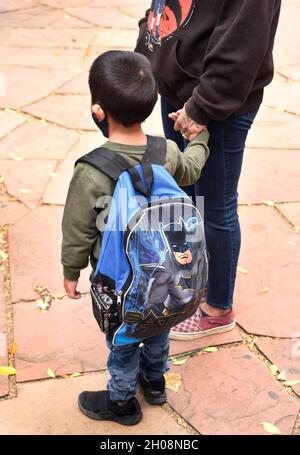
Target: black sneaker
<point>154,391</point>
<point>98,406</point>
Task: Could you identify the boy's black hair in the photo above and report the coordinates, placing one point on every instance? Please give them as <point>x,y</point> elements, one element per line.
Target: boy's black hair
<point>123,83</point>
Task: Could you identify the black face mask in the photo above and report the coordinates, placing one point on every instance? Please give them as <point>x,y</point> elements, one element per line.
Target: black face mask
<point>103,126</point>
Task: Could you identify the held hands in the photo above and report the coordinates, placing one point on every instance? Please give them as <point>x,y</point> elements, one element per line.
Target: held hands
<point>70,288</point>
<point>187,126</point>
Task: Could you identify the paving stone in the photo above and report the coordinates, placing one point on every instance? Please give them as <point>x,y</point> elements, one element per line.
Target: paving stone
<point>285,353</point>
<point>3,345</point>
<point>47,38</point>
<point>287,33</point>
<point>291,211</point>
<point>17,4</point>
<point>78,85</point>
<point>274,129</point>
<point>34,413</point>
<point>57,188</point>
<point>35,258</point>
<point>65,110</point>
<point>32,17</point>
<point>19,82</point>
<point>70,22</point>
<point>116,39</point>
<point>103,17</point>
<point>10,120</point>
<point>269,183</point>
<point>284,95</point>
<point>37,140</point>
<point>178,347</point>
<point>271,255</point>
<point>26,179</point>
<point>36,57</point>
<point>66,339</point>
<point>233,394</point>
<point>10,210</point>
<point>66,4</point>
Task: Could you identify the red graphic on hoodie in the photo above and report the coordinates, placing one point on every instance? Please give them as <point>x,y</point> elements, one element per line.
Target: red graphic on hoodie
<point>165,17</point>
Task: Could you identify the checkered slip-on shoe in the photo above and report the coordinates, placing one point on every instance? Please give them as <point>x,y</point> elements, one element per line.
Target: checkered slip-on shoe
<point>201,325</point>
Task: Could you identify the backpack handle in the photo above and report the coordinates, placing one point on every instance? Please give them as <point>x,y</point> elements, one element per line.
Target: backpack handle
<point>137,180</point>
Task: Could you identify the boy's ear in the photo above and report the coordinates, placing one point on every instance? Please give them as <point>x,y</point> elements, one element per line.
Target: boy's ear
<point>98,111</point>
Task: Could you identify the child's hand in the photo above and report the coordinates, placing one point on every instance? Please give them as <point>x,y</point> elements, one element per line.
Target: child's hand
<point>70,288</point>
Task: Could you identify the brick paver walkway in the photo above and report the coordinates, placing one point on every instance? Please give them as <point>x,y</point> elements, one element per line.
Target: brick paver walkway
<point>46,49</point>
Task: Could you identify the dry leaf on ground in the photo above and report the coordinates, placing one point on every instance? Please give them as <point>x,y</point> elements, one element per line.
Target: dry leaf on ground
<point>242,270</point>
<point>178,361</point>
<point>51,373</point>
<point>264,290</point>
<point>12,348</point>
<point>282,376</point>
<point>292,382</point>
<point>210,349</point>
<point>273,368</point>
<point>7,371</point>
<point>270,428</point>
<point>270,203</point>
<point>173,381</point>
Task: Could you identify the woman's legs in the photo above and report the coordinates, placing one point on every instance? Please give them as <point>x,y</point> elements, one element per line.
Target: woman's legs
<point>218,185</point>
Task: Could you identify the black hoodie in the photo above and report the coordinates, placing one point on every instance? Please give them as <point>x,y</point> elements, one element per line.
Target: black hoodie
<point>213,55</point>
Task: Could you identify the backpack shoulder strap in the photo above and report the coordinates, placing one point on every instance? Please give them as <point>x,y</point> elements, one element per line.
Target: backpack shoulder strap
<point>156,150</point>
<point>107,161</point>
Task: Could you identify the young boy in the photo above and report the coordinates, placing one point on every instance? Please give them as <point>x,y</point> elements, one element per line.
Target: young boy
<point>123,92</point>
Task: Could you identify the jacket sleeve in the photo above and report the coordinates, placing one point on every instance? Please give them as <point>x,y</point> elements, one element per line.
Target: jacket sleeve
<point>186,167</point>
<point>235,52</point>
<point>79,222</point>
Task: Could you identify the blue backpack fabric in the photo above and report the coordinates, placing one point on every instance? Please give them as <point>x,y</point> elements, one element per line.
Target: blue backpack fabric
<point>152,268</point>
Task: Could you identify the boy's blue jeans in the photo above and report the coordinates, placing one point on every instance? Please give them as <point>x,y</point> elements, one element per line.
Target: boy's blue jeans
<point>125,363</point>
<point>218,185</point>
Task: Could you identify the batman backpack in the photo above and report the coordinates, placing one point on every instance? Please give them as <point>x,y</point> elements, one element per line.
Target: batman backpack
<point>152,267</point>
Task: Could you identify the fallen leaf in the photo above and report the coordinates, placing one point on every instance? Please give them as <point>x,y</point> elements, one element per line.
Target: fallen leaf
<point>3,255</point>
<point>51,373</point>
<point>12,348</point>
<point>210,349</point>
<point>25,190</point>
<point>1,179</point>
<point>179,361</point>
<point>242,270</point>
<point>75,375</point>
<point>282,376</point>
<point>43,121</point>
<point>252,343</point>
<point>273,368</point>
<point>173,381</point>
<point>58,296</point>
<point>65,376</point>
<point>292,243</point>
<point>270,428</point>
<point>270,203</point>
<point>53,174</point>
<point>297,229</point>
<point>264,290</point>
<point>7,371</point>
<point>293,382</point>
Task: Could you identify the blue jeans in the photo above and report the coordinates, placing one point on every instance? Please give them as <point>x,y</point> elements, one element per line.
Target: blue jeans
<point>125,363</point>
<point>218,184</point>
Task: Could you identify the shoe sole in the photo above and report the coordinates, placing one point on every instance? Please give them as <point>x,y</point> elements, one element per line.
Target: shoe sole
<point>183,336</point>
<point>156,401</point>
<point>128,420</point>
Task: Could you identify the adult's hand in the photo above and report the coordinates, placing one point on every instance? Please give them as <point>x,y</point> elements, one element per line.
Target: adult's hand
<point>71,289</point>
<point>186,125</point>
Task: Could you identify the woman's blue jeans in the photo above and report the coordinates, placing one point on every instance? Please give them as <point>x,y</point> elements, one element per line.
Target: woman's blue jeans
<point>218,185</point>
